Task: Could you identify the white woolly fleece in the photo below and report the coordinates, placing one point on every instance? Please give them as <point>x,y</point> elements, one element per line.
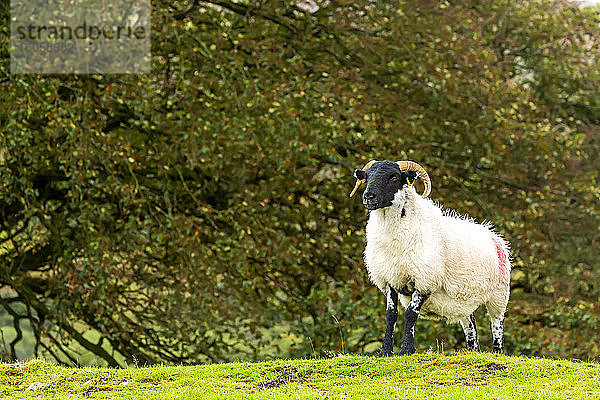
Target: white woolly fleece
<point>453,258</point>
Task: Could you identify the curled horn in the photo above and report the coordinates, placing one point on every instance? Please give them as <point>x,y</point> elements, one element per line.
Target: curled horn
<point>413,166</point>
<point>358,181</point>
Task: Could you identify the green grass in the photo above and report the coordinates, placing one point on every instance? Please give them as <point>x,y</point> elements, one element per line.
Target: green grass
<point>422,376</point>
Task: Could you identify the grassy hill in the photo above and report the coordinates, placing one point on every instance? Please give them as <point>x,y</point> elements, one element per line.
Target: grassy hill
<point>422,376</point>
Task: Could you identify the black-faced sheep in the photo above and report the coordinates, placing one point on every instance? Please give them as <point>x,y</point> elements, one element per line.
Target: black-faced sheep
<point>438,264</point>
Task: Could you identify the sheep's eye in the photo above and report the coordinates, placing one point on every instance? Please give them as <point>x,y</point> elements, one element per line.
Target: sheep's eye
<point>394,179</point>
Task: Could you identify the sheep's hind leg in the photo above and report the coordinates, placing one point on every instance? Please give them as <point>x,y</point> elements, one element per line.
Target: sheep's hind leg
<point>411,315</point>
<point>470,329</point>
<point>498,334</point>
<point>391,317</point>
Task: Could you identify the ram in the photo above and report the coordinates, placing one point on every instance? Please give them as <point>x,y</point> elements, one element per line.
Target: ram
<point>438,264</point>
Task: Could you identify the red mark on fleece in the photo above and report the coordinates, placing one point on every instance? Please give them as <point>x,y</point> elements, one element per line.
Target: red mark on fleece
<point>502,254</point>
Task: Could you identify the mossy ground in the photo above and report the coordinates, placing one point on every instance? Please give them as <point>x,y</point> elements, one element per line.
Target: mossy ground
<point>421,376</point>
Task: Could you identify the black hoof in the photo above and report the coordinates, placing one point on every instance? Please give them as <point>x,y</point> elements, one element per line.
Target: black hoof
<point>406,352</point>
<point>384,353</point>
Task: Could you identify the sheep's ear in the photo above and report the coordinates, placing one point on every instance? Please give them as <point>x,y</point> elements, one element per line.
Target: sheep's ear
<point>411,177</point>
<point>360,174</point>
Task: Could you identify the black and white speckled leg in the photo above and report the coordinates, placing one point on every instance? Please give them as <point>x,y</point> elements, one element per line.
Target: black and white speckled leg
<point>498,334</point>
<point>470,329</point>
<point>391,318</point>
<point>411,315</point>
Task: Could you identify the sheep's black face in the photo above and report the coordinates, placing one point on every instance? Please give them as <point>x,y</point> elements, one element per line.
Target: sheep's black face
<point>384,180</point>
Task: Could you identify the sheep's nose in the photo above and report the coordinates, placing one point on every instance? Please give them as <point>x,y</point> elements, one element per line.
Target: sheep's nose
<point>369,195</point>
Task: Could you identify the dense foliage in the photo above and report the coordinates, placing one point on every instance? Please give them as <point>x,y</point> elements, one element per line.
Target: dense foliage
<point>201,212</point>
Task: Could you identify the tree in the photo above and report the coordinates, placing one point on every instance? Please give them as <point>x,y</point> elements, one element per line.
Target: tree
<point>200,213</point>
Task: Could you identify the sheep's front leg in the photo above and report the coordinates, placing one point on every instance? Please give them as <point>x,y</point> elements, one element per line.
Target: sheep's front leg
<point>410,317</point>
<point>391,315</point>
